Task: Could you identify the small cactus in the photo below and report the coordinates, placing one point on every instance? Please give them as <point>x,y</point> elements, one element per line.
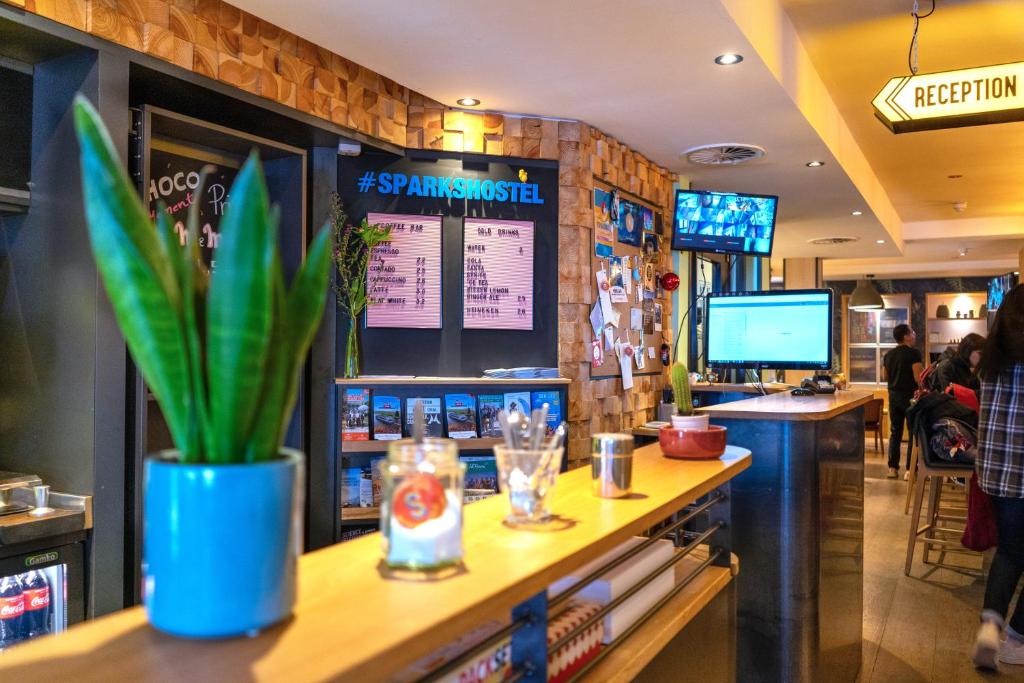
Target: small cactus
<point>681,388</point>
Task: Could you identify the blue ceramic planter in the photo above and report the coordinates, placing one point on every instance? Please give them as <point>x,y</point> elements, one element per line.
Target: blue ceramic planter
<point>221,544</point>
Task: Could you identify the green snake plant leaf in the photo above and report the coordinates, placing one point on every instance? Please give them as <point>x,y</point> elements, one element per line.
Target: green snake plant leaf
<point>300,314</point>
<point>196,281</point>
<point>136,271</point>
<point>263,441</point>
<point>239,311</point>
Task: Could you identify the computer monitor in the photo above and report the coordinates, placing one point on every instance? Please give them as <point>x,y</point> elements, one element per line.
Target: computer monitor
<point>998,288</point>
<point>724,222</point>
<point>782,330</point>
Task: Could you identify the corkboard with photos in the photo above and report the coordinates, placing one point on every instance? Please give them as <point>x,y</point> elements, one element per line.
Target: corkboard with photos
<point>632,254</point>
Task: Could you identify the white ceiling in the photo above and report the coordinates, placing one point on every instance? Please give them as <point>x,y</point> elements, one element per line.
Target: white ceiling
<point>644,73</point>
<point>645,76</point>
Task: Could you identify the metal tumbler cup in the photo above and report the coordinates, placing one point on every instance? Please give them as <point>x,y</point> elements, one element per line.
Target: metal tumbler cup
<point>611,465</point>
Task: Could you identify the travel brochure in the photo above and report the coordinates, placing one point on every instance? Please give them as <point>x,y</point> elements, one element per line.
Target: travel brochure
<point>460,410</point>
<point>464,416</point>
<point>434,426</point>
<point>355,415</point>
<point>387,418</point>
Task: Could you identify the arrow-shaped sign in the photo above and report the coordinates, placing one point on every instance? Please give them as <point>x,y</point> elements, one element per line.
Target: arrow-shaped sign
<point>950,99</point>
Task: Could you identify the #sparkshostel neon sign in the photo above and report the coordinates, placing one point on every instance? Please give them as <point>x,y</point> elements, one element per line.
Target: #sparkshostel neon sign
<point>950,99</point>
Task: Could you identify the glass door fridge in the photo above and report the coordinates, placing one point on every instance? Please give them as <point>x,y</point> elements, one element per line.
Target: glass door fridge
<point>41,592</point>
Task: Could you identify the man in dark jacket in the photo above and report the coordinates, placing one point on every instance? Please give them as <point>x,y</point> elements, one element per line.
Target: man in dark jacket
<point>901,369</point>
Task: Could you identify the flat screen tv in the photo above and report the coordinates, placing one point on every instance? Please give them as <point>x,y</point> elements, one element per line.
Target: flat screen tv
<point>782,330</point>
<point>998,287</point>
<point>724,222</point>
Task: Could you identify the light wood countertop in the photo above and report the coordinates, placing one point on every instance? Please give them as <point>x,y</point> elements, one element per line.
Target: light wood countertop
<point>785,406</point>
<point>353,624</point>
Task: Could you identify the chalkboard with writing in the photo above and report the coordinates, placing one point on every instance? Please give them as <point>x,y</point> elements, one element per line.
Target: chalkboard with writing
<point>497,275</point>
<point>174,180</point>
<point>403,279</point>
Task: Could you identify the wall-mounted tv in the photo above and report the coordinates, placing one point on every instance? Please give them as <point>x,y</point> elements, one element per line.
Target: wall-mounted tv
<point>782,330</point>
<point>724,222</point>
<point>998,287</point>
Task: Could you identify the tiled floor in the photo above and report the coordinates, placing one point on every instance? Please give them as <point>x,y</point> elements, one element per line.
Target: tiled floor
<point>917,628</point>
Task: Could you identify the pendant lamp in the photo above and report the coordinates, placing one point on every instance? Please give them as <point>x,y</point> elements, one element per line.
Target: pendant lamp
<point>865,297</point>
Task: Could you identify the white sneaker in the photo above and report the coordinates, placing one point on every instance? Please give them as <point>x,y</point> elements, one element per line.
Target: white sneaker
<point>1011,651</point>
<point>893,473</point>
<point>906,476</point>
<point>986,646</point>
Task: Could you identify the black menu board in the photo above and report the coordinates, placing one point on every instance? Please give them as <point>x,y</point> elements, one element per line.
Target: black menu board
<point>174,179</point>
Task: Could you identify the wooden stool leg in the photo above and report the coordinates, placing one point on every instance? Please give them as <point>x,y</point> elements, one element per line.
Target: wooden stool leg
<point>934,492</point>
<point>911,480</point>
<point>915,519</point>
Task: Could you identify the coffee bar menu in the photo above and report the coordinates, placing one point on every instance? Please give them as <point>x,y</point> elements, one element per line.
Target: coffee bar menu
<point>403,280</point>
<point>497,275</point>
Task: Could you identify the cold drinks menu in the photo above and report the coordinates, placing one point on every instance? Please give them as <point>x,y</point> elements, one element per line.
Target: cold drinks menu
<point>497,274</point>
<point>403,280</point>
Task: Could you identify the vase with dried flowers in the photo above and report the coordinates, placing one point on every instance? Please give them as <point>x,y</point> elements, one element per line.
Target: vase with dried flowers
<point>353,251</point>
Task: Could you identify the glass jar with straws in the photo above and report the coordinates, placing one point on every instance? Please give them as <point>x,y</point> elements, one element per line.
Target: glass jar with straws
<point>528,464</point>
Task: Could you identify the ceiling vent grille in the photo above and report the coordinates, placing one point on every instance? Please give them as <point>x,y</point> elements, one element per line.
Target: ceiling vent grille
<point>830,241</point>
<point>723,154</point>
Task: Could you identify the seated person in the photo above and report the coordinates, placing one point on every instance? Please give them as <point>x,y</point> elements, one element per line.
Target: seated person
<point>959,367</point>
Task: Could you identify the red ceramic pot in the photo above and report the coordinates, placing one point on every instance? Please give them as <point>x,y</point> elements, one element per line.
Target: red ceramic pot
<point>692,444</point>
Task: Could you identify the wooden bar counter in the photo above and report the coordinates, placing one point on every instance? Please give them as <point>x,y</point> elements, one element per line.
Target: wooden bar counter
<point>353,623</point>
<point>797,525</point>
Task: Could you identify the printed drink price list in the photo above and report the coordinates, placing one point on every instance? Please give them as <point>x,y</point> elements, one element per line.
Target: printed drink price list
<point>404,275</point>
<point>497,274</point>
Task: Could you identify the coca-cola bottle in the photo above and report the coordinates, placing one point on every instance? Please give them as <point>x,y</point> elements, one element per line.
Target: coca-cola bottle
<point>12,611</point>
<point>36,590</point>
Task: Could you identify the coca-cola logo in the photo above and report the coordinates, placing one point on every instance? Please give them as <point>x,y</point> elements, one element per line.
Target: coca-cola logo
<point>37,598</point>
<point>11,607</point>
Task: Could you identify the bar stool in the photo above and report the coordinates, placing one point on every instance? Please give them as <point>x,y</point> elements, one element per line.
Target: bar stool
<point>935,469</point>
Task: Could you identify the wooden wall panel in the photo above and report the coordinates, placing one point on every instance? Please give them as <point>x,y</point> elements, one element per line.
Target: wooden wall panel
<point>222,42</point>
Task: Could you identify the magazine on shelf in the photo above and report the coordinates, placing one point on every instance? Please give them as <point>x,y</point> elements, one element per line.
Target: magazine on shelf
<point>387,418</point>
<point>518,400</point>
<point>355,415</point>
<point>460,411</point>
<point>554,401</point>
<point>490,406</point>
<point>431,414</point>
<point>481,472</point>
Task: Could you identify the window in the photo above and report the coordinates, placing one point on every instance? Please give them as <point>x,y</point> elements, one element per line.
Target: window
<point>867,336</point>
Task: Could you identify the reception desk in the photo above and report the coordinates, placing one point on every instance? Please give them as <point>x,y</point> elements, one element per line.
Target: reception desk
<point>354,622</point>
<point>798,517</point>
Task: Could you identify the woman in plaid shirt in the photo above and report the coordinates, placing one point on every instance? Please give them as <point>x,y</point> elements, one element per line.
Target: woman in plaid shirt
<point>1000,465</point>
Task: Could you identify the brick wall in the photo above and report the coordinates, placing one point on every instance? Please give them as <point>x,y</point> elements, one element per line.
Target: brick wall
<point>222,42</point>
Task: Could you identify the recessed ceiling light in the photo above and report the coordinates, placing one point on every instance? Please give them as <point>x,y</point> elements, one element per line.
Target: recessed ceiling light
<point>467,101</point>
<point>879,241</point>
<point>728,59</point>
<point>815,164</point>
<point>856,213</point>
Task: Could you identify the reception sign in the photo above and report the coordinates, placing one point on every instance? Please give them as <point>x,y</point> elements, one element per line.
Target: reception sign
<point>403,279</point>
<point>497,273</point>
<point>950,99</point>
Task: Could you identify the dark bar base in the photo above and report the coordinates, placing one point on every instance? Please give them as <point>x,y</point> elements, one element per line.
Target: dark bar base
<point>798,529</point>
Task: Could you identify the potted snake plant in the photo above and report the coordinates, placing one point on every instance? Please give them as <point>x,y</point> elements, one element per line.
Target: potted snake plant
<point>221,353</point>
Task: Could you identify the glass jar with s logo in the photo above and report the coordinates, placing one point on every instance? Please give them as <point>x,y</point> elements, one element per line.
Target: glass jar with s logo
<point>421,504</point>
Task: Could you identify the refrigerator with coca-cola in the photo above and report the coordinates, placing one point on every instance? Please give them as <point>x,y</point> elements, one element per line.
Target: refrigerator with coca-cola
<point>40,593</point>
